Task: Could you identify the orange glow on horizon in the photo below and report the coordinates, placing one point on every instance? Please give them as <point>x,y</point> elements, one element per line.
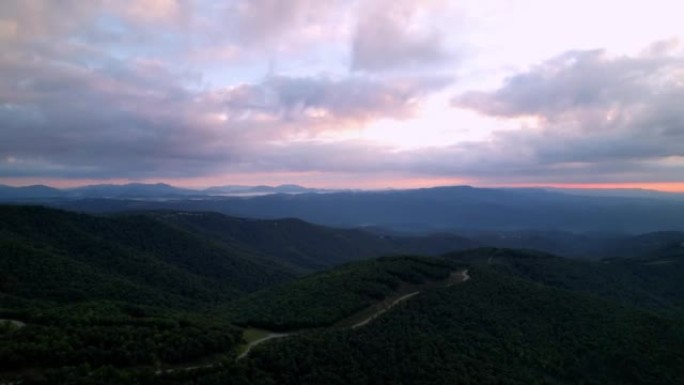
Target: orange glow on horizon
<point>674,187</point>
<point>338,181</point>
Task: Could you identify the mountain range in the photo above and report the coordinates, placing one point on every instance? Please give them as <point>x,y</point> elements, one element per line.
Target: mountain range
<point>441,209</point>
<point>178,297</point>
<point>429,210</point>
<point>142,191</point>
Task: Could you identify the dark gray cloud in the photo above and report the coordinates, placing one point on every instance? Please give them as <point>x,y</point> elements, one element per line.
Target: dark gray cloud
<point>60,117</point>
<point>110,118</point>
<point>352,98</point>
<point>90,90</point>
<point>574,81</point>
<point>594,112</point>
<point>483,162</point>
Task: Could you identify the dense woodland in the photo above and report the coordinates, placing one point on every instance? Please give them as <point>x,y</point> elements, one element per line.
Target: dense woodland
<point>305,246</point>
<point>66,256</point>
<point>491,329</point>
<point>653,281</point>
<point>105,333</point>
<point>324,298</point>
<point>139,299</point>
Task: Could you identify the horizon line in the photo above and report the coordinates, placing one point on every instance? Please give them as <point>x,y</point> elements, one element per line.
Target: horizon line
<point>665,187</point>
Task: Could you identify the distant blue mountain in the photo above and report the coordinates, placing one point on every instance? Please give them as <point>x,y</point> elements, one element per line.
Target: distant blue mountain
<point>622,193</point>
<point>30,192</point>
<point>143,191</point>
<point>133,190</point>
<point>440,209</point>
<point>260,190</point>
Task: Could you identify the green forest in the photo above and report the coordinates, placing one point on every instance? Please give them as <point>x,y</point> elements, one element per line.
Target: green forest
<point>495,328</point>
<point>166,298</point>
<point>324,298</point>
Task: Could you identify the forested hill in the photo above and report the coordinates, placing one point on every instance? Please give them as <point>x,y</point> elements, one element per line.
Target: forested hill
<point>523,317</point>
<point>652,281</point>
<point>89,296</point>
<point>325,298</point>
<point>304,245</point>
<point>173,258</point>
<point>492,329</point>
<point>167,297</point>
<point>510,323</point>
<point>62,256</point>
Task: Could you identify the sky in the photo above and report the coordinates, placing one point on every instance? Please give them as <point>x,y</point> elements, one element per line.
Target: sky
<point>343,93</point>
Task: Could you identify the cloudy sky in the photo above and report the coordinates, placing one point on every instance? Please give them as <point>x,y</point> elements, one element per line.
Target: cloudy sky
<point>343,93</point>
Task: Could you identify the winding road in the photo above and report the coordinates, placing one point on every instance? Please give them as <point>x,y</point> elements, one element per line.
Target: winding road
<point>261,340</point>
<point>464,276</point>
<point>13,323</point>
<point>384,309</point>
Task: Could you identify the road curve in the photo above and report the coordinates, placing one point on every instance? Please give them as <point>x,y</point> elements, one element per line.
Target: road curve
<point>464,277</point>
<point>259,341</point>
<point>384,309</point>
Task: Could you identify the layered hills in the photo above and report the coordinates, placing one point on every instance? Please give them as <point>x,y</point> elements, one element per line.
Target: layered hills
<point>170,297</point>
<point>438,209</point>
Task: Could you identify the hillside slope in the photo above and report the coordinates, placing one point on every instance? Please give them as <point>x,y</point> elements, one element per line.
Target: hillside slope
<point>324,298</point>
<point>54,255</point>
<point>493,329</point>
<point>653,281</point>
<point>139,299</point>
<point>304,245</point>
